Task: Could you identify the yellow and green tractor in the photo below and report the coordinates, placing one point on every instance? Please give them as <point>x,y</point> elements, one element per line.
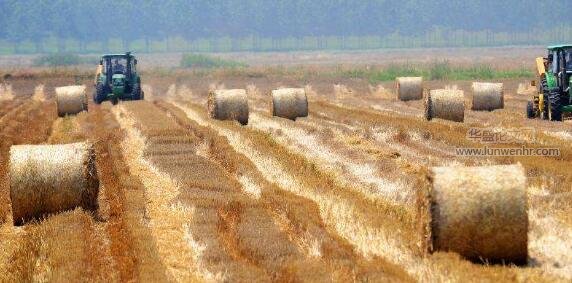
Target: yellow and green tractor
<point>116,78</point>
<point>554,98</point>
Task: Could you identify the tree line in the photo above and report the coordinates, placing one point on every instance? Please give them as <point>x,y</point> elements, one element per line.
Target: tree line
<point>128,20</point>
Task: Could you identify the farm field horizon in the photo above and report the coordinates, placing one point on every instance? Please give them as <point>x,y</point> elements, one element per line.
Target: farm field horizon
<point>500,56</point>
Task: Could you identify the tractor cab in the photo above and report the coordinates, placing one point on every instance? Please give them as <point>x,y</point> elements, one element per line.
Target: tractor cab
<point>117,79</point>
<point>568,60</point>
<point>118,64</point>
<point>559,63</point>
<point>561,71</point>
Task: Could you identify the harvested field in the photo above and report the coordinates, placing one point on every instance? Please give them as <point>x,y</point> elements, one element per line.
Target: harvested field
<point>331,197</point>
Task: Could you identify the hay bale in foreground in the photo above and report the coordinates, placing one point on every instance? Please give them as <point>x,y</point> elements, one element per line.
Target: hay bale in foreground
<point>488,96</point>
<point>479,212</point>
<point>446,104</point>
<point>409,88</point>
<point>289,103</point>
<point>228,105</point>
<point>71,100</point>
<point>47,179</point>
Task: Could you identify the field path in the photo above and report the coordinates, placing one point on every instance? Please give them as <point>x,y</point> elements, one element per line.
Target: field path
<point>239,227</point>
<point>349,168</point>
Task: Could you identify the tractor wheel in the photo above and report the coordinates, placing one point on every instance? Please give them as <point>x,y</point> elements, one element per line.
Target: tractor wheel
<point>554,106</point>
<point>544,110</point>
<point>137,93</point>
<point>530,113</point>
<point>544,91</point>
<point>99,94</point>
<point>543,87</point>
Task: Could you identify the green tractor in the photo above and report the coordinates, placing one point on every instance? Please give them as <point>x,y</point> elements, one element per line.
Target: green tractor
<point>116,79</point>
<point>554,99</point>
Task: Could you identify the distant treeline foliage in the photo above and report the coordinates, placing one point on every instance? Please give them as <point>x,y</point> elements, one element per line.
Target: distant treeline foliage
<point>63,59</point>
<point>28,26</point>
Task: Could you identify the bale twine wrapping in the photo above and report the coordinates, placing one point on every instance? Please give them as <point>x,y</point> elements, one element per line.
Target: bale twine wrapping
<point>47,179</point>
<point>487,96</point>
<point>479,212</point>
<point>71,100</point>
<point>446,104</point>
<point>289,103</point>
<point>409,88</point>
<point>228,105</point>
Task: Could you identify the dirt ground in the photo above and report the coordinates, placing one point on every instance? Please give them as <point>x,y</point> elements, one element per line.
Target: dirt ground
<point>330,197</point>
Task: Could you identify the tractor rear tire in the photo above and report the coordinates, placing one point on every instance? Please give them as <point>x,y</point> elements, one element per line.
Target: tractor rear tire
<point>544,91</point>
<point>137,93</point>
<point>99,94</point>
<point>530,113</point>
<point>554,105</point>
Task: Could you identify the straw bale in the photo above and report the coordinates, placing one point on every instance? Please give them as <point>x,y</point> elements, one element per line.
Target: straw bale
<point>47,179</point>
<point>409,88</point>
<point>487,96</point>
<point>228,105</point>
<point>479,212</point>
<point>71,100</point>
<point>289,103</point>
<point>445,104</point>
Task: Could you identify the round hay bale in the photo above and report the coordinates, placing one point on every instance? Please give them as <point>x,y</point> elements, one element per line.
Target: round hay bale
<point>409,88</point>
<point>71,100</point>
<point>479,212</point>
<point>47,179</point>
<point>487,96</point>
<point>289,103</point>
<point>446,104</point>
<point>228,105</point>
